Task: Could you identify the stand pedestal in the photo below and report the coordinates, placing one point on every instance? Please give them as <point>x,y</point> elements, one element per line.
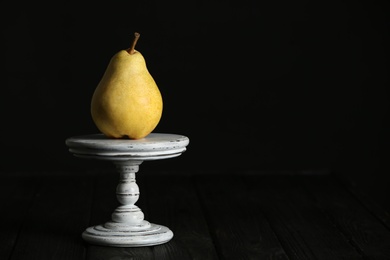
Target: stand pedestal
<point>127,227</point>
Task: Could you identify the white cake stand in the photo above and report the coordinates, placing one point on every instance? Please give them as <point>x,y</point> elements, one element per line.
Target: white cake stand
<point>127,227</point>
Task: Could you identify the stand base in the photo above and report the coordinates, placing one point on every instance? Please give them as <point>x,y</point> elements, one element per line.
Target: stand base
<point>117,235</point>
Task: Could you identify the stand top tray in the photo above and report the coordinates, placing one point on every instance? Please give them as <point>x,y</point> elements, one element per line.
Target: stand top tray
<point>152,147</point>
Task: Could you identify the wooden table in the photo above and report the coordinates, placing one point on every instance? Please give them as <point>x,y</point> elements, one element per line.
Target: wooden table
<point>213,215</point>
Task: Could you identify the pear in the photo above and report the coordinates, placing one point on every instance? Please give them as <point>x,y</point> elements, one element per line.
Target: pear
<point>127,102</point>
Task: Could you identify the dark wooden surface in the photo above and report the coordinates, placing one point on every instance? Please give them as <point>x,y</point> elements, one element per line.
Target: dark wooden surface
<point>240,215</point>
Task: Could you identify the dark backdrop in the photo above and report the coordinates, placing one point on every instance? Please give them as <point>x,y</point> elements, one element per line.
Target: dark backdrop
<point>272,85</point>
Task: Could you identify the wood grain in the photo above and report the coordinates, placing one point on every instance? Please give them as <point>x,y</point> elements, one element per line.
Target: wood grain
<point>239,228</point>
<point>54,219</point>
<point>213,216</point>
<point>303,230</point>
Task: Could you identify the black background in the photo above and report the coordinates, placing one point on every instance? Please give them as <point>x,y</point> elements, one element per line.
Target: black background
<point>254,85</point>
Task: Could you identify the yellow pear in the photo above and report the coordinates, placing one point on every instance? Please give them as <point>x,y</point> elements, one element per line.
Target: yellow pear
<point>127,102</point>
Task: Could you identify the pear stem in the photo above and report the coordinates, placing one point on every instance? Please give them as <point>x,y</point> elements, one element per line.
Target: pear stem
<point>131,50</point>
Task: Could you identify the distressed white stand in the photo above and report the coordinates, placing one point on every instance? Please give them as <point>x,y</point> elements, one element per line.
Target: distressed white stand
<point>127,227</point>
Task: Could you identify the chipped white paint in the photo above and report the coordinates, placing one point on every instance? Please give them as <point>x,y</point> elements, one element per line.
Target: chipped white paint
<point>127,227</point>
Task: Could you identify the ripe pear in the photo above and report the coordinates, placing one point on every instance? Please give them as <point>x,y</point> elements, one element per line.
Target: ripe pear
<point>127,102</point>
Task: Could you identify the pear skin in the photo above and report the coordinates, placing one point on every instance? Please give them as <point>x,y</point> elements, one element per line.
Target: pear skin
<point>127,102</point>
